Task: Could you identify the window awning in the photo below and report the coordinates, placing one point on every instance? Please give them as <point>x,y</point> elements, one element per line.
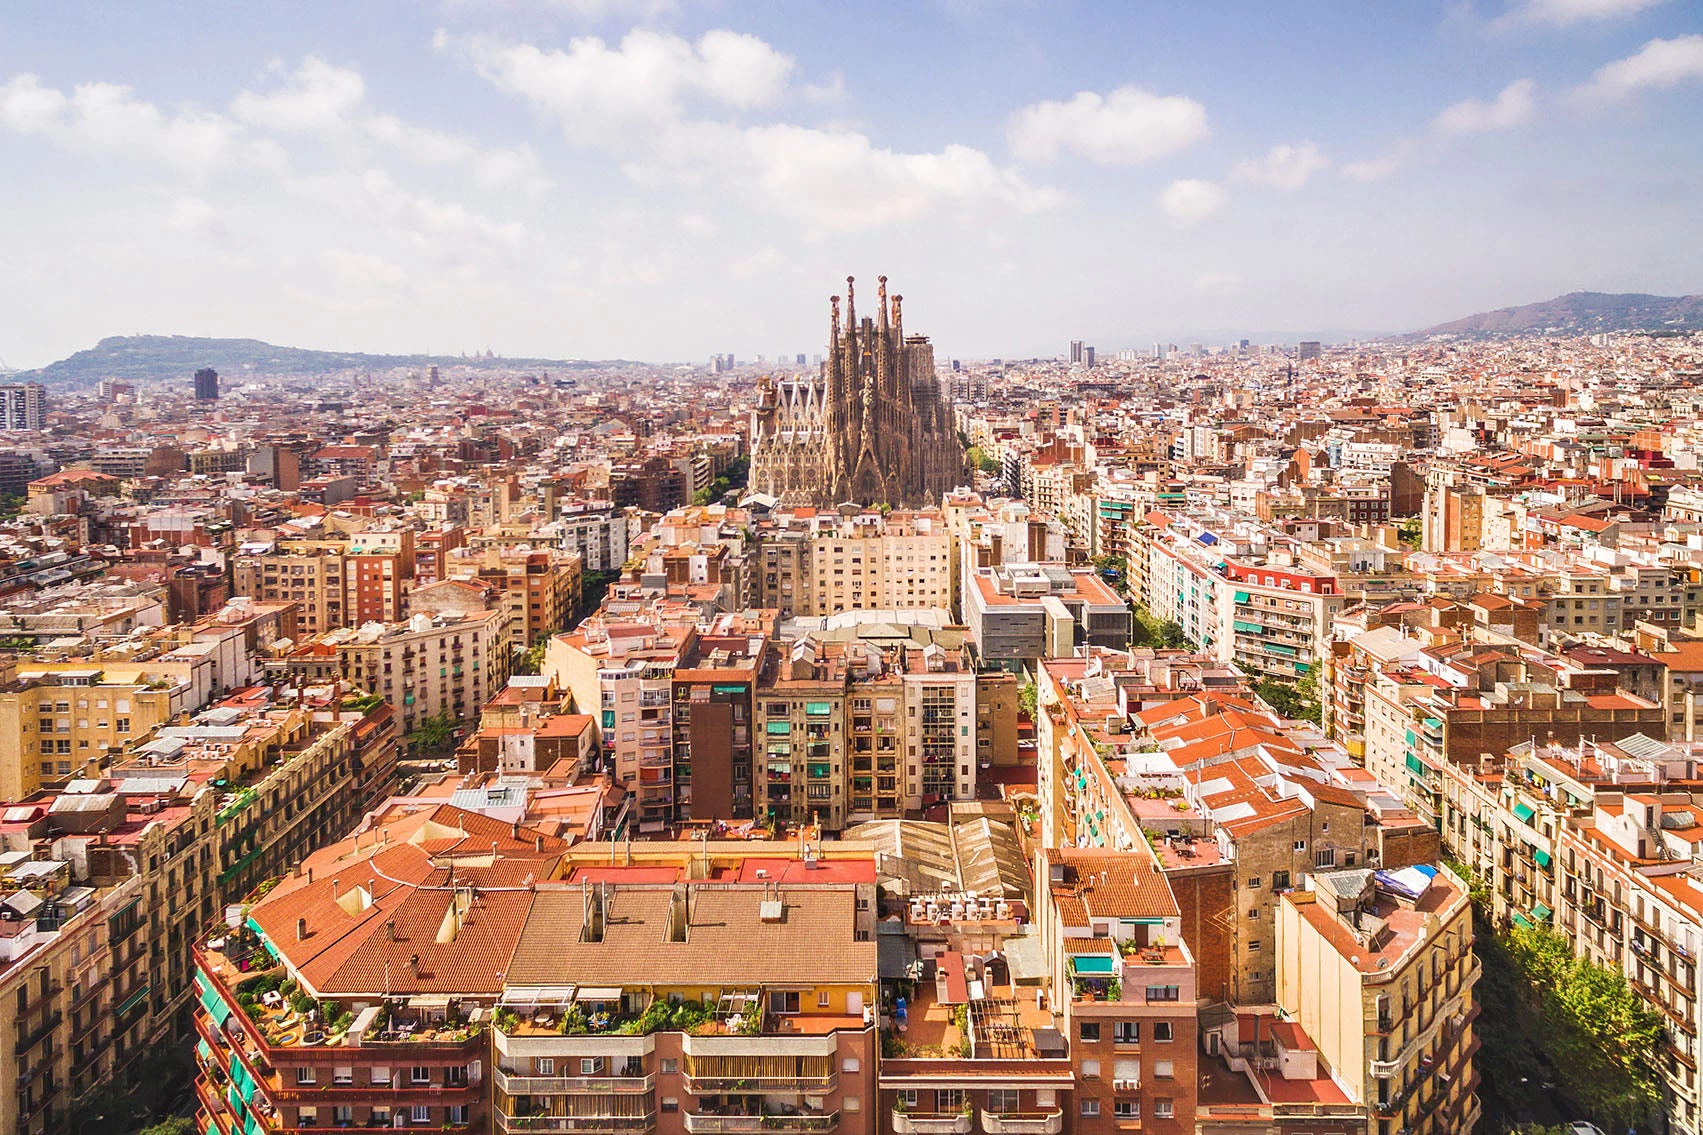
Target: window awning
<point>1541,912</point>
<point>1524,812</point>
<point>598,993</point>
<point>1542,857</point>
<point>1092,965</point>
<point>429,1001</point>
<point>1416,766</point>
<point>1522,920</point>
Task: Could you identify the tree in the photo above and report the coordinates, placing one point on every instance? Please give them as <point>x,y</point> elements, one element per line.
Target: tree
<point>434,733</point>
<point>983,460</point>
<point>531,660</point>
<point>171,1125</point>
<point>1411,532</point>
<point>1592,1023</point>
<point>1028,699</point>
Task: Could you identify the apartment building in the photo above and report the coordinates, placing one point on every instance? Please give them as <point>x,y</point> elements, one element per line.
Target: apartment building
<point>358,990</point>
<point>810,564</point>
<point>802,767</point>
<point>1125,982</point>
<point>1378,968</point>
<point>1025,612</point>
<point>428,664</point>
<point>57,723</point>
<point>714,720</point>
<point>540,589</point>
<point>334,586</point>
<point>1458,702</point>
<point>626,671</point>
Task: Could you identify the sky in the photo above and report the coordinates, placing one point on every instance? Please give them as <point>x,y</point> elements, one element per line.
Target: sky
<point>667,179</point>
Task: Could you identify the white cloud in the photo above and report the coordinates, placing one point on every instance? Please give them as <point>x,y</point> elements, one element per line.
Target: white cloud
<point>600,92</point>
<point>1282,167</point>
<point>1189,201</point>
<point>1513,106</point>
<point>28,107</point>
<point>107,118</point>
<point>1218,283</point>
<point>648,102</point>
<point>194,215</point>
<point>1127,126</point>
<point>1376,169</point>
<point>1659,63</point>
<point>315,98</point>
<point>1564,13</point>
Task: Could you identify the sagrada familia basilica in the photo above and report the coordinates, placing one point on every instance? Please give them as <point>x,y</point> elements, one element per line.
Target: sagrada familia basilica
<point>873,428</point>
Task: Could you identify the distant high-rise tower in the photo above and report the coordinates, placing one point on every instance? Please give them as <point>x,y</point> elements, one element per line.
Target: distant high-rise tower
<point>800,360</point>
<point>1309,349</point>
<point>873,428</point>
<point>1088,356</point>
<point>23,406</point>
<point>1075,351</point>
<point>206,384</point>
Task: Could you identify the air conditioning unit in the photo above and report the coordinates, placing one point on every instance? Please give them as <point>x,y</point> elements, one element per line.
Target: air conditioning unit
<point>1125,1085</point>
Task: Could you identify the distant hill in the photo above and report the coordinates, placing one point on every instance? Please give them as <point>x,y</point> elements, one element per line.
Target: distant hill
<point>1578,313</point>
<point>152,358</point>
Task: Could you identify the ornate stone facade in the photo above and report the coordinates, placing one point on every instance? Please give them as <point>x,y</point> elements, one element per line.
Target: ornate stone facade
<point>873,428</point>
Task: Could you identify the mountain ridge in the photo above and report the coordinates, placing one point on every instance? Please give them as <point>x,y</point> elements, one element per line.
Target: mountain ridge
<point>1576,313</point>
<point>153,358</point>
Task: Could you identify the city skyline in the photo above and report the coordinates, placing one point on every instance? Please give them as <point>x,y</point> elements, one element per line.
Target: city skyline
<point>562,180</point>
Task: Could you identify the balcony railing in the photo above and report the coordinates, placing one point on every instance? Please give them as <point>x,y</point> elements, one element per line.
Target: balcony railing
<point>700,1085</point>
<point>1023,1123</point>
<point>578,1124</point>
<point>564,1085</point>
<point>932,1123</point>
<point>698,1124</point>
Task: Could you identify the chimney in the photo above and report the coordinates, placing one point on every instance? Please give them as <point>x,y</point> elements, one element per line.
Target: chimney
<point>301,929</point>
<point>538,844</point>
<point>310,874</point>
<point>514,830</point>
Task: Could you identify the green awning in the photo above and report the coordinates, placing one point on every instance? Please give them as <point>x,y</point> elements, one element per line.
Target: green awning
<point>216,1007</point>
<point>1091,965</point>
<point>1241,596</point>
<point>1248,628</point>
<point>1522,921</point>
<point>1542,857</point>
<point>1416,766</point>
<point>1524,813</point>
<point>205,1049</point>
<point>213,1128</point>
<point>1541,912</point>
<point>818,708</point>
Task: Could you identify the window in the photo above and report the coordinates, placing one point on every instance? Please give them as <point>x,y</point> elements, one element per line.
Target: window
<point>1126,1109</point>
<point>850,1064</point>
<point>304,1075</point>
<point>1325,858</point>
<point>822,999</point>
<point>1163,1109</point>
<point>1254,883</point>
<point>1280,880</point>
<point>590,1065</point>
<point>546,1066</point>
<point>420,1075</point>
<point>1300,845</point>
<point>1164,1070</point>
<point>669,1066</point>
<point>1162,1030</point>
<point>342,1116</point>
<point>380,1074</point>
<point>1002,1100</point>
<point>670,1103</point>
<point>1126,1032</point>
<point>1089,1030</point>
<point>456,1116</point>
<point>307,1117</point>
<point>1090,1109</point>
<point>906,1098</point>
<point>343,1074</point>
<point>783,1001</point>
<point>1162,992</point>
<point>850,1103</point>
<point>1090,1069</point>
<point>422,1113</point>
<point>1253,913</point>
<point>949,1099</point>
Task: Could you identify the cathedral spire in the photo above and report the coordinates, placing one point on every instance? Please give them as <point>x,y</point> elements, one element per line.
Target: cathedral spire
<point>881,301</point>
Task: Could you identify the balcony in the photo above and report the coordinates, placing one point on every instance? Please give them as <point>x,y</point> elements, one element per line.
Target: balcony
<point>932,1123</point>
<point>714,1085</point>
<point>1023,1123</point>
<point>566,1085</point>
<point>797,1124</point>
<point>578,1124</point>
